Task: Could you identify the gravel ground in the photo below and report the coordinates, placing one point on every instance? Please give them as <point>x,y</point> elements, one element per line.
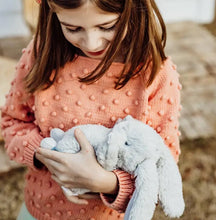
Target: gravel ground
<point>198,168</point>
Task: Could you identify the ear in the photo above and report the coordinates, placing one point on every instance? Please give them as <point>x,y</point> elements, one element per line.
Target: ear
<point>144,197</point>
<point>170,186</point>
<point>57,134</point>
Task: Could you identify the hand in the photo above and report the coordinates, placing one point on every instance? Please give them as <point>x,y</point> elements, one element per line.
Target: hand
<point>80,170</point>
<point>82,199</point>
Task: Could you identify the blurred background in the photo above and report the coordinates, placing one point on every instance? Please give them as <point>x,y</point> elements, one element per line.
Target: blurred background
<point>191,26</point>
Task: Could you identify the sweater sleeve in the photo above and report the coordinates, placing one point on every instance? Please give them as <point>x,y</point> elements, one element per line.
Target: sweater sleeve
<point>161,114</point>
<point>20,133</point>
<point>120,201</point>
<point>164,106</point>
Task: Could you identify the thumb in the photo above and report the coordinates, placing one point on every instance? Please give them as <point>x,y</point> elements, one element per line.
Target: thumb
<point>85,146</point>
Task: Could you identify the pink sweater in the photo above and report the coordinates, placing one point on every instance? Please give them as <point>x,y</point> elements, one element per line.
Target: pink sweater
<point>26,119</point>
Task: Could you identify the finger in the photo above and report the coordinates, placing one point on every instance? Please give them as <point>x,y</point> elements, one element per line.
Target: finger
<point>52,165</point>
<point>56,179</point>
<point>76,199</point>
<point>82,140</point>
<point>90,196</point>
<point>50,154</point>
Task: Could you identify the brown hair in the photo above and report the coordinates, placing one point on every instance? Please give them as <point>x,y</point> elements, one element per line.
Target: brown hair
<point>143,43</point>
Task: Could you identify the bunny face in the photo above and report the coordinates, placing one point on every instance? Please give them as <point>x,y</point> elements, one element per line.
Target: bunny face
<point>134,139</point>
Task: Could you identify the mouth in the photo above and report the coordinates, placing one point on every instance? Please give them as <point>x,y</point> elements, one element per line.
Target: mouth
<point>98,53</point>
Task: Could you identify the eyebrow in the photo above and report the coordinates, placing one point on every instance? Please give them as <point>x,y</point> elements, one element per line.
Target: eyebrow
<point>70,25</point>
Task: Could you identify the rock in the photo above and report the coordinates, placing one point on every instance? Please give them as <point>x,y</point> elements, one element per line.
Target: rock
<point>5,163</point>
<point>6,76</point>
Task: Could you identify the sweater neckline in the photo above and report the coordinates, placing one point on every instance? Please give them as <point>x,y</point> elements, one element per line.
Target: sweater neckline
<point>97,61</point>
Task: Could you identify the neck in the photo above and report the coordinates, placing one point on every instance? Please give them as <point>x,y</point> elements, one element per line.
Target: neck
<point>119,58</point>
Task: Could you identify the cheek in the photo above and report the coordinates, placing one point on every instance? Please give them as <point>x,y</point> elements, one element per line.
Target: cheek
<point>70,37</point>
<point>109,36</point>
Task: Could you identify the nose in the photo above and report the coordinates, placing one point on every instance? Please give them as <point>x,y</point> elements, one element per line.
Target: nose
<point>92,41</point>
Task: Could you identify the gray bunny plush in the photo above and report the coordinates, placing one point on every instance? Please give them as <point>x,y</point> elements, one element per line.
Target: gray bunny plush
<point>137,149</point>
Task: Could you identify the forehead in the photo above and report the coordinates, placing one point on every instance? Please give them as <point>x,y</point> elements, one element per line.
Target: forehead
<point>87,14</point>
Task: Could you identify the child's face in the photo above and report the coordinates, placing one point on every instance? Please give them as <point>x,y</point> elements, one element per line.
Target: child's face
<point>88,28</point>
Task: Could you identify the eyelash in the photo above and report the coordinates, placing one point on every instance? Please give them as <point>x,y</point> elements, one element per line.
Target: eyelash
<point>101,28</point>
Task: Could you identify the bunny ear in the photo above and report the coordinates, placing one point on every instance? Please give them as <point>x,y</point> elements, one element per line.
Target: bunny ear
<point>144,199</point>
<point>170,186</point>
<point>116,140</point>
<point>111,158</point>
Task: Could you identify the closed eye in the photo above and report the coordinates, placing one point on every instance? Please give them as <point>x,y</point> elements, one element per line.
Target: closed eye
<point>108,29</point>
<point>73,30</point>
<point>105,29</point>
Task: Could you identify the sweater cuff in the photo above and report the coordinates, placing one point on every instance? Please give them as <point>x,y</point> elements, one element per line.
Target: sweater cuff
<point>120,201</point>
<point>31,146</point>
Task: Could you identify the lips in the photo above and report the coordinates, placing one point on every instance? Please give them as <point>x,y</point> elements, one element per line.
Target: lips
<point>98,53</point>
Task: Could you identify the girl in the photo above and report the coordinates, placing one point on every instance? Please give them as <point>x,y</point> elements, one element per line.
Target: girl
<point>91,61</point>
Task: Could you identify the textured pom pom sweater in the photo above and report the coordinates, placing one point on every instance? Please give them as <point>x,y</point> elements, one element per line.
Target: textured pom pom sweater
<point>27,119</point>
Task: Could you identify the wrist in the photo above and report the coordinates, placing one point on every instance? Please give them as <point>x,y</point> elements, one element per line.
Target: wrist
<point>107,182</point>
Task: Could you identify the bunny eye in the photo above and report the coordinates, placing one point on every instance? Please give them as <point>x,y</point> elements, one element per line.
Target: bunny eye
<point>126,143</point>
